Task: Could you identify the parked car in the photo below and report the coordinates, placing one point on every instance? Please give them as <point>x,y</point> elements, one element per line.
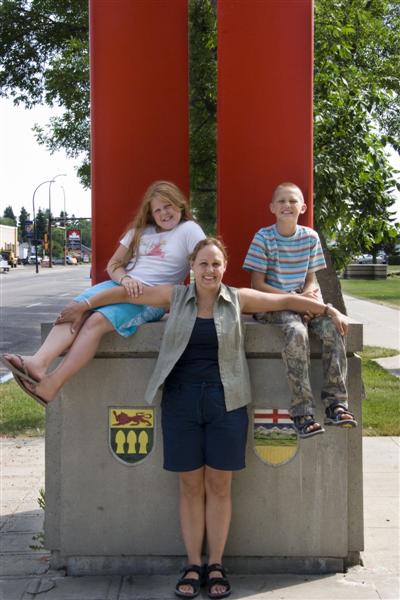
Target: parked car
<point>71,260</point>
<point>381,258</point>
<point>31,260</point>
<point>4,266</point>
<point>363,259</point>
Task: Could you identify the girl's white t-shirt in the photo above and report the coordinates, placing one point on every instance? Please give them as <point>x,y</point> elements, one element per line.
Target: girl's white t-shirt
<point>163,256</point>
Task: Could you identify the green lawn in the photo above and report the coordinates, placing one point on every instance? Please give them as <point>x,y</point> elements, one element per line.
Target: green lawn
<point>384,291</point>
<point>381,407</point>
<point>19,415</point>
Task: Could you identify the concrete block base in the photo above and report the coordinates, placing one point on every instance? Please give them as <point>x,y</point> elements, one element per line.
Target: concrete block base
<point>106,516</point>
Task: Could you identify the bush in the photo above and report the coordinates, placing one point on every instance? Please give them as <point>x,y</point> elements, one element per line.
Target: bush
<point>394,259</point>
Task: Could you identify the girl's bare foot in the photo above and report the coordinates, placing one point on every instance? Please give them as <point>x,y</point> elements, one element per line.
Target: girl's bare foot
<point>24,366</point>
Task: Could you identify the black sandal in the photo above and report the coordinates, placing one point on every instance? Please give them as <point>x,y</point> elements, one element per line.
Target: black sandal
<point>301,424</point>
<point>334,414</point>
<point>211,581</point>
<point>194,583</point>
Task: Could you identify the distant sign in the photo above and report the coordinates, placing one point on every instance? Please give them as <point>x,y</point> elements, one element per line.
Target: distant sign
<point>74,239</point>
<point>28,231</point>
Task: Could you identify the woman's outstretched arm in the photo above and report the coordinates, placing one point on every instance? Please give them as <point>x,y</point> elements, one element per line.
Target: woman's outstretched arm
<point>159,295</point>
<point>252,301</point>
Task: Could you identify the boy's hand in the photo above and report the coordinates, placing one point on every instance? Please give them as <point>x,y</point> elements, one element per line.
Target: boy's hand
<point>341,321</point>
<point>314,294</point>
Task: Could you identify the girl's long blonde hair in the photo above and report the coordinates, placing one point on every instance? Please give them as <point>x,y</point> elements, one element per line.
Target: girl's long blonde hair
<point>168,191</point>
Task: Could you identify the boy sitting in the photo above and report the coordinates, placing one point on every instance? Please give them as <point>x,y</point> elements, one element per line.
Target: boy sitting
<point>284,258</point>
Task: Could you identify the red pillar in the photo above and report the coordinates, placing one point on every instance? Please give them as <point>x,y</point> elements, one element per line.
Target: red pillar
<point>265,62</point>
<point>139,110</point>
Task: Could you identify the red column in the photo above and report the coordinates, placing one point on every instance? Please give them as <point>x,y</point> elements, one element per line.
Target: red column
<point>265,64</point>
<point>139,110</point>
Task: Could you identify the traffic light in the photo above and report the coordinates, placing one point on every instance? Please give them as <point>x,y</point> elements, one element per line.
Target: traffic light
<point>46,242</point>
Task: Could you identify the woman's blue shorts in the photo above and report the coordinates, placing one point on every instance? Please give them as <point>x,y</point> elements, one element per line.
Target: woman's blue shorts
<point>198,430</point>
<point>125,318</point>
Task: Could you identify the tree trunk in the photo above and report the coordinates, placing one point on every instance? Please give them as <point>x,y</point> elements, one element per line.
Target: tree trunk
<point>329,281</point>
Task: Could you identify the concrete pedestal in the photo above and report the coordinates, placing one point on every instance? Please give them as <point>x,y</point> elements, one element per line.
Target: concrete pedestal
<point>104,516</point>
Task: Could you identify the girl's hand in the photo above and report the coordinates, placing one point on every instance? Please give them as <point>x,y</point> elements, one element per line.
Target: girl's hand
<point>73,313</point>
<point>133,287</point>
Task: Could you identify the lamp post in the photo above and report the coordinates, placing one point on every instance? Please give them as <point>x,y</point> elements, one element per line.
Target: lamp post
<point>49,181</point>
<point>49,229</point>
<point>65,229</point>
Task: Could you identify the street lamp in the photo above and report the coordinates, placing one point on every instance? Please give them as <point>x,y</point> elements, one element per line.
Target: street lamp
<point>49,230</point>
<point>49,181</point>
<point>65,229</point>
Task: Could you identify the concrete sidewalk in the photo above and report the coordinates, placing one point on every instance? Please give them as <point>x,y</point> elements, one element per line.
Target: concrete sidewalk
<point>25,573</point>
<point>381,323</point>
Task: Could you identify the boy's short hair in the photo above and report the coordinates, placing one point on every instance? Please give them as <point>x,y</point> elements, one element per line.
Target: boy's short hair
<point>287,184</point>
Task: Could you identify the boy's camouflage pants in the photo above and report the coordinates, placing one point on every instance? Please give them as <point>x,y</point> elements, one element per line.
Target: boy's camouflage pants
<point>296,357</point>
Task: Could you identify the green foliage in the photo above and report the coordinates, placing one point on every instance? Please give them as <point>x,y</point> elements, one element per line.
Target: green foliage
<point>9,214</point>
<point>384,291</point>
<point>381,407</point>
<point>7,221</point>
<point>41,224</point>
<point>23,218</point>
<point>19,415</point>
<point>203,108</point>
<point>357,62</point>
<point>44,59</point>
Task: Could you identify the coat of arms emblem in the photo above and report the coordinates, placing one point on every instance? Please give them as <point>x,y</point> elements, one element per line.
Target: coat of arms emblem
<point>274,437</point>
<point>131,433</point>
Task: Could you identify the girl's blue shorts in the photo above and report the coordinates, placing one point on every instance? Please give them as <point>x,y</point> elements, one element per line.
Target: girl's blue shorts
<point>198,430</point>
<point>125,318</point>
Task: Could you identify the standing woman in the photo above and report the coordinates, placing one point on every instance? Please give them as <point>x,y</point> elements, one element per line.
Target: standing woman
<point>203,368</point>
<point>154,250</point>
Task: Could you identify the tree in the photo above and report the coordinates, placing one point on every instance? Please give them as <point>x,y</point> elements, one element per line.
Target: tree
<point>357,97</point>
<point>23,218</point>
<point>203,109</point>
<point>44,58</point>
<point>9,214</point>
<point>41,224</point>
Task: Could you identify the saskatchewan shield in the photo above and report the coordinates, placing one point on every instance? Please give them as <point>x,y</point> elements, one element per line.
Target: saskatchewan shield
<point>274,438</point>
<point>131,433</point>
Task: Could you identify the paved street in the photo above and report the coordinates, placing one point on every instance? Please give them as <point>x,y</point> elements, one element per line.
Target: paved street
<point>29,299</point>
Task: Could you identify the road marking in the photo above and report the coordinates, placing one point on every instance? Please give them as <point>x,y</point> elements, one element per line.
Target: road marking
<point>35,304</point>
<point>66,294</point>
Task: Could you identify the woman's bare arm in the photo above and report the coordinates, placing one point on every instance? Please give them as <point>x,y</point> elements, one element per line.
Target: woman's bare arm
<point>252,301</point>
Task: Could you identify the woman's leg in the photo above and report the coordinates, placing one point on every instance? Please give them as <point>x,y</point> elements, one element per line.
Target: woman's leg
<point>81,351</point>
<point>192,516</point>
<point>218,517</point>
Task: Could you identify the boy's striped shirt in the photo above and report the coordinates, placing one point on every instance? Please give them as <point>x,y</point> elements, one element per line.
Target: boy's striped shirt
<point>285,260</point>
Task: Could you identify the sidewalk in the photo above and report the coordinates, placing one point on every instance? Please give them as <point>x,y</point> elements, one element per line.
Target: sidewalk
<point>25,575</point>
<point>381,323</point>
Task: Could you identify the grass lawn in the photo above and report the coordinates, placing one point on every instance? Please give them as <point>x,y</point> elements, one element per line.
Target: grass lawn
<point>384,291</point>
<point>381,407</point>
<point>19,415</point>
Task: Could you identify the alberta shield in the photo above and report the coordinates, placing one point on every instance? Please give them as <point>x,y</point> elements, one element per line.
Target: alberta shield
<point>275,440</point>
<point>131,433</point>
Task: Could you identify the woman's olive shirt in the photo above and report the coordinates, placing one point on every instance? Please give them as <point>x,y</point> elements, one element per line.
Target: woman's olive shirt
<point>231,357</point>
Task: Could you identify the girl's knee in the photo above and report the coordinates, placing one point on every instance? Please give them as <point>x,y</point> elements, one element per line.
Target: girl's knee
<point>97,322</point>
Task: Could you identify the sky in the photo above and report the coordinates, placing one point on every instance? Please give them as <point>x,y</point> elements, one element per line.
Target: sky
<point>24,164</point>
